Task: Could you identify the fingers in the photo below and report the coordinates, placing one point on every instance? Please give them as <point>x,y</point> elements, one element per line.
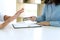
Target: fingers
<point>16,15</point>
<point>33,18</point>
<point>20,11</point>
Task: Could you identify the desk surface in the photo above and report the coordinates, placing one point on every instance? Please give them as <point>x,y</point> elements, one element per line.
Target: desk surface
<point>43,33</point>
<point>51,33</point>
<point>9,33</point>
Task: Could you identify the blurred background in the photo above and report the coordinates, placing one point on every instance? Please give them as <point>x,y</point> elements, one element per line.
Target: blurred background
<point>31,8</point>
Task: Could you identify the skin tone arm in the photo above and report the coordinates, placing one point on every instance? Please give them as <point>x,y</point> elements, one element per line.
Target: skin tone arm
<point>44,23</point>
<point>6,17</point>
<point>9,19</point>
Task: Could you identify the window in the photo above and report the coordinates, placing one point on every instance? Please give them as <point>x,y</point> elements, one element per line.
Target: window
<point>30,10</point>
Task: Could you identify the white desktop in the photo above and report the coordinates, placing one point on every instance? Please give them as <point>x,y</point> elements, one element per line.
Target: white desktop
<point>41,33</point>
<point>9,33</point>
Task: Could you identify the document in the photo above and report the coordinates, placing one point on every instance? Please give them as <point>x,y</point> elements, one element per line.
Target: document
<point>26,24</point>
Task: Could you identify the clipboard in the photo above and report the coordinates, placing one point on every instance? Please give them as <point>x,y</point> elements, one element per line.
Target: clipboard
<point>25,25</point>
<point>16,27</point>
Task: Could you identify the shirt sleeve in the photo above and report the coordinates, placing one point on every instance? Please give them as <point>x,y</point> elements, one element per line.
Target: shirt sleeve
<point>1,17</point>
<point>43,16</point>
<point>55,23</point>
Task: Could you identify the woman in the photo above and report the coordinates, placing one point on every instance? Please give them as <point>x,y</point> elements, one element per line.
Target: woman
<point>8,19</point>
<point>50,14</point>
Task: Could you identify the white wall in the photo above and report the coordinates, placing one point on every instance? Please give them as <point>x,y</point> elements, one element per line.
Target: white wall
<point>8,7</point>
<point>30,10</point>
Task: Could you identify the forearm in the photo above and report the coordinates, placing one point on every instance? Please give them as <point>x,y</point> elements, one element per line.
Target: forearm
<point>50,23</point>
<point>9,19</point>
<point>4,24</point>
<point>44,23</point>
<point>40,19</point>
<point>6,17</point>
<point>55,23</point>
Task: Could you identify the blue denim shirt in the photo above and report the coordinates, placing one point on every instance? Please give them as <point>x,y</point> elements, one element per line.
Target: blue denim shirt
<point>50,13</point>
<point>1,17</point>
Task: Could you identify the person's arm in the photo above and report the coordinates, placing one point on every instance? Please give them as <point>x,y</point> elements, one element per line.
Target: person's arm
<point>55,23</point>
<point>6,22</point>
<point>39,18</point>
<point>44,23</point>
<point>43,14</point>
<point>50,23</point>
<point>6,17</point>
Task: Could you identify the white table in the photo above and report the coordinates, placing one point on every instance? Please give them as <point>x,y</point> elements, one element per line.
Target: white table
<point>9,33</point>
<point>42,33</point>
<point>51,33</point>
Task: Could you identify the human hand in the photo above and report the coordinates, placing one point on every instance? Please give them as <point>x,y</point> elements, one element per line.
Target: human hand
<point>9,19</point>
<point>45,23</point>
<point>32,18</point>
<point>16,15</point>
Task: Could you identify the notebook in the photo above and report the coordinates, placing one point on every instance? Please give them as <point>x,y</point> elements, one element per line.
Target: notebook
<point>25,24</point>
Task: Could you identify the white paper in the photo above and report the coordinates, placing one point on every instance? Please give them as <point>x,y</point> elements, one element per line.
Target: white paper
<point>26,24</point>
